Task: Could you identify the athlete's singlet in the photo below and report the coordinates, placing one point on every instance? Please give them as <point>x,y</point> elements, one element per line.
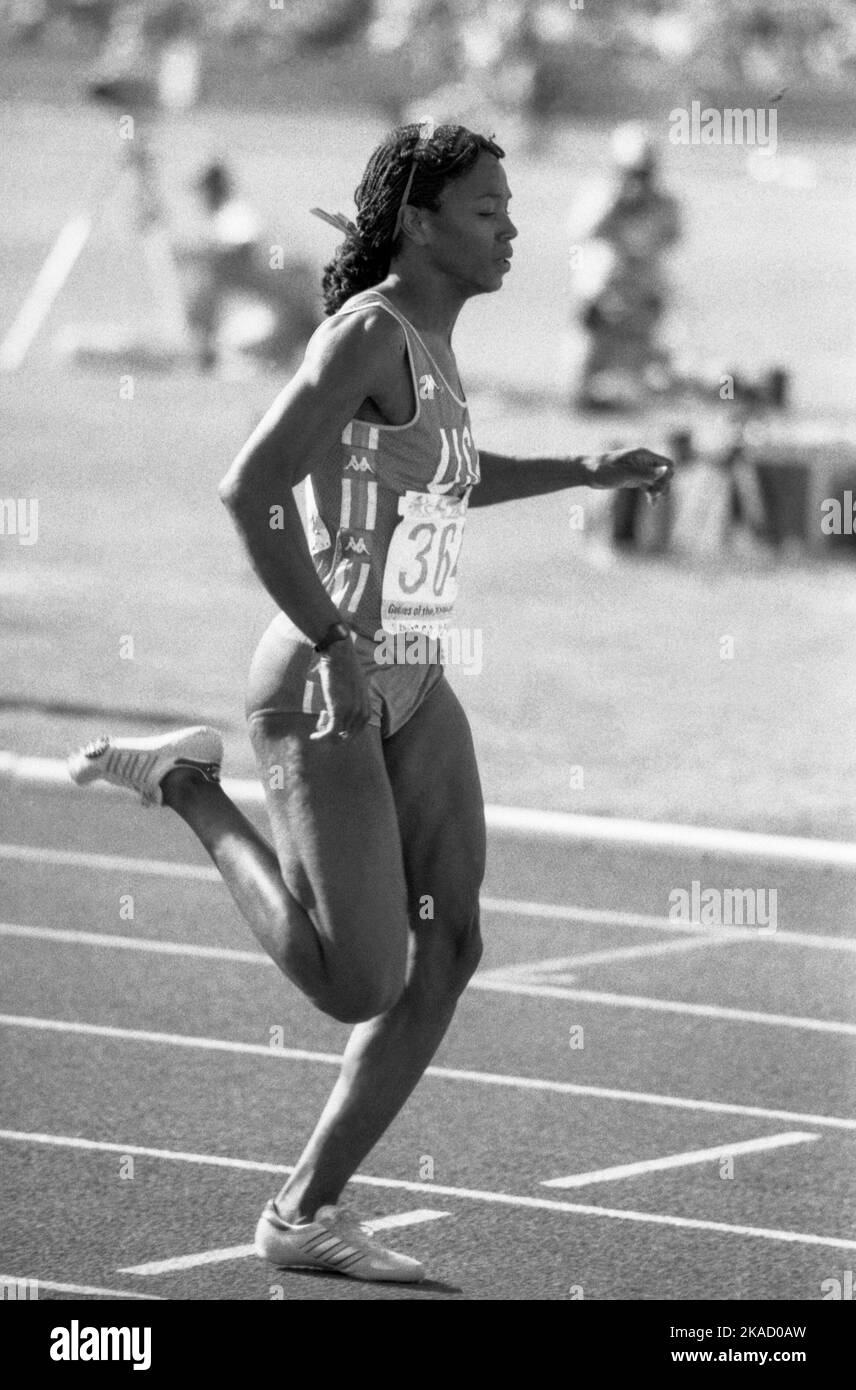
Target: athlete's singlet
<point>386,509</point>
<point>385,514</point>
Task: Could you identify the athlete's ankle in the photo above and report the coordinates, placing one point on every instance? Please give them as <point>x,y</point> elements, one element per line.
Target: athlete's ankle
<point>293,1214</point>
<point>180,785</point>
<point>299,1208</point>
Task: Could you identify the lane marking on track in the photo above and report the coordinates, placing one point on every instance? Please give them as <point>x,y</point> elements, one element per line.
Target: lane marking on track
<point>119,863</point>
<point>240,1252</point>
<point>519,985</point>
<point>544,825</point>
<point>509,907</point>
<point>180,1262</point>
<point>79,1288</point>
<point>69,936</point>
<point>72,937</point>
<point>406,1218</point>
<point>684,1160</point>
<point>526,980</point>
<point>435,1190</point>
<point>559,966</point>
<point>604,917</point>
<point>482,1078</point>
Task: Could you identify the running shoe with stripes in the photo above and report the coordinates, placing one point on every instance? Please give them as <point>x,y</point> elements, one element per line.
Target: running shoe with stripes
<point>140,764</point>
<point>336,1241</point>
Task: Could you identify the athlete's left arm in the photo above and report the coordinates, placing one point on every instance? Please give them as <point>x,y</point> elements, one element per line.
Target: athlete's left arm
<point>505,479</point>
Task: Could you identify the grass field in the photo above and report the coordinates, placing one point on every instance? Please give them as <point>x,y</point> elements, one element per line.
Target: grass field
<point>616,672</point>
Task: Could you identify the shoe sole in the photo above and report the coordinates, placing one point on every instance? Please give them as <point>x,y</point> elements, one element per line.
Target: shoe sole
<point>83,770</point>
<point>332,1269</point>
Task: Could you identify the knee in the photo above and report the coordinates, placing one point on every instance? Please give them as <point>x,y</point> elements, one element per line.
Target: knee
<point>468,948</point>
<point>451,953</point>
<point>356,1000</point>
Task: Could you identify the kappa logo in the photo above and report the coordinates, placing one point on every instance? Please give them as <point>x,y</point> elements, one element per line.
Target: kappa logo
<point>359,465</point>
<point>356,545</point>
<point>427,387</point>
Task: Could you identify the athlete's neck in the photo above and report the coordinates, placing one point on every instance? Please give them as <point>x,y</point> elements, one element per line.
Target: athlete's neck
<point>430,306</point>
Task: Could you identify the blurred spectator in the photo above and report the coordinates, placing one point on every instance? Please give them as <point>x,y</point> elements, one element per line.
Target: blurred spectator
<point>278,299</point>
<point>547,55</point>
<point>624,237</point>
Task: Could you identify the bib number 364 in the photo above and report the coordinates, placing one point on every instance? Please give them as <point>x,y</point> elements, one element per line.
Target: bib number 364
<point>420,579</point>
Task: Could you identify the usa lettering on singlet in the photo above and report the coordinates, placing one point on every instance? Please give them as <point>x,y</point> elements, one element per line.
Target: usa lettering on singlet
<point>385,512</point>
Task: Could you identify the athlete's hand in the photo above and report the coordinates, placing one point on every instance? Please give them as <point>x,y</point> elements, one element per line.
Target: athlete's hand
<point>346,693</point>
<point>633,468</point>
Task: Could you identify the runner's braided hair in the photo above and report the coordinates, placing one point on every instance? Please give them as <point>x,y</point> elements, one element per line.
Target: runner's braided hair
<point>364,256</point>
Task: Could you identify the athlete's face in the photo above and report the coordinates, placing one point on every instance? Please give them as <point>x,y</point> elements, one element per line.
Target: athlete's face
<point>469,237</point>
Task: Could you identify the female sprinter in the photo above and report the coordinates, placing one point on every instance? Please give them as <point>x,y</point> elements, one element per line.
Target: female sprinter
<point>369,900</point>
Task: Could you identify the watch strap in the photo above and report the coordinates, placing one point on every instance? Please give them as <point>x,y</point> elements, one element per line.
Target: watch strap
<point>336,632</point>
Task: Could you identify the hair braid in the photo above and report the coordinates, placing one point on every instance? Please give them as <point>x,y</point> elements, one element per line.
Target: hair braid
<point>363,258</point>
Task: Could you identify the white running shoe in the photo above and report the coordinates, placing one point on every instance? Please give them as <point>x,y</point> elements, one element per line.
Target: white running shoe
<point>140,764</point>
<point>335,1240</point>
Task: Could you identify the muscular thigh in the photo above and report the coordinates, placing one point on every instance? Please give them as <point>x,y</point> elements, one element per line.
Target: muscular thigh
<point>336,833</point>
<point>438,799</point>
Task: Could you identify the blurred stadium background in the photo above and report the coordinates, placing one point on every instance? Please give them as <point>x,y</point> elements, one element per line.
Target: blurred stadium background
<point>603,687</point>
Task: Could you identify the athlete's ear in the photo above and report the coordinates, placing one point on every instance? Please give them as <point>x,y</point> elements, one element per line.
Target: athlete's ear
<point>413,224</point>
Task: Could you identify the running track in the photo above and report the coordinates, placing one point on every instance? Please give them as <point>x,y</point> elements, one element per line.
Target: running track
<point>159,1076</point>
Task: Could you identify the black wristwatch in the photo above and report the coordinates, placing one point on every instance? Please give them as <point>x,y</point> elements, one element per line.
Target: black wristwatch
<point>336,632</point>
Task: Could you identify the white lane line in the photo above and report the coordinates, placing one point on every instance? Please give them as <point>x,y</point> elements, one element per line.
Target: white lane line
<point>79,1288</point>
<point>654,948</point>
<point>604,917</point>
<point>684,1160</point>
<point>558,968</point>
<point>100,1030</point>
<point>664,835</point>
<point>406,1218</point>
<point>134,943</point>
<point>479,1078</point>
<point>240,1252</point>
<point>544,825</point>
<point>72,937</point>
<point>509,907</point>
<point>119,863</point>
<point>524,979</point>
<point>179,1262</point>
<point>518,985</point>
<point>471,1194</point>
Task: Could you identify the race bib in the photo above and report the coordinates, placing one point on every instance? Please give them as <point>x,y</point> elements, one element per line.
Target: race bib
<point>420,581</point>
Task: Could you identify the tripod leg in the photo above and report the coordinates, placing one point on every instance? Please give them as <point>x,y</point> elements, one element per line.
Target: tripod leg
<point>157,247</point>
<point>166,287</point>
<point>56,269</point>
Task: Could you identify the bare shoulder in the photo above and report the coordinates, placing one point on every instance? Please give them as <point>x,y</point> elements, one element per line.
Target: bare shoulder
<point>348,358</point>
<point>364,346</point>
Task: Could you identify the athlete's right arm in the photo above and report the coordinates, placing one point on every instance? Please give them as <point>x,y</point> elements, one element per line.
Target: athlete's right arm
<point>347,360</point>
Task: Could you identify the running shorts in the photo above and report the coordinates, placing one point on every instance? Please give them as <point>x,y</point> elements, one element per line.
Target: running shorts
<point>284,680</point>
